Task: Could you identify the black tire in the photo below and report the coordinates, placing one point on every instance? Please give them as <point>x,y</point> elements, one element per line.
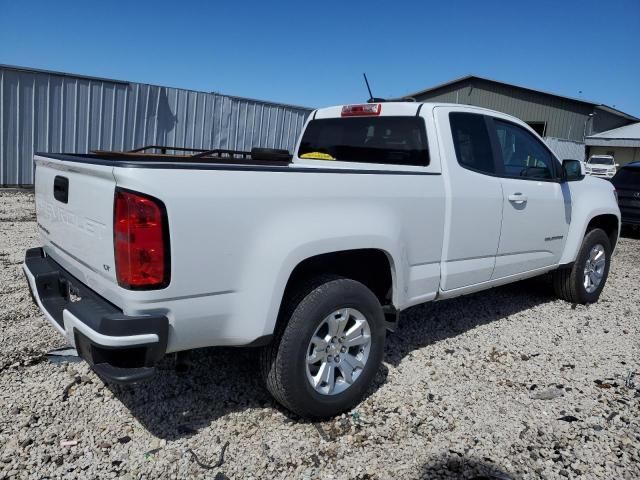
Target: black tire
<point>283,361</point>
<point>568,282</point>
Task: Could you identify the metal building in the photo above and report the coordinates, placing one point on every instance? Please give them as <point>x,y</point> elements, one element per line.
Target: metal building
<point>43,111</point>
<point>623,144</point>
<point>564,122</point>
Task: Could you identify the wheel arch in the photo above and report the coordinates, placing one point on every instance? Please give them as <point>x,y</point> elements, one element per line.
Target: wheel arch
<point>606,219</point>
<point>358,264</point>
<point>609,223</point>
<point>373,267</point>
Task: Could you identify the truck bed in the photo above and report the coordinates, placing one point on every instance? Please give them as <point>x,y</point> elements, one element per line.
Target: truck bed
<point>234,224</point>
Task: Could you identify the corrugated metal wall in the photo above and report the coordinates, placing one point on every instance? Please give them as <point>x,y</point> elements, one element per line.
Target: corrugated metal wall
<point>566,149</point>
<point>53,112</point>
<point>565,118</point>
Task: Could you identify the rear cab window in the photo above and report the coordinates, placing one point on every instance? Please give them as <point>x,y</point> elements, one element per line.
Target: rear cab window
<point>390,140</point>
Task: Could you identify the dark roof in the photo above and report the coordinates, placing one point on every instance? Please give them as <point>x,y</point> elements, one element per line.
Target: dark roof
<point>520,87</point>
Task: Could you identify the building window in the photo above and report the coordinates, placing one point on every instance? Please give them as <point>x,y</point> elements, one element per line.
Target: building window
<point>539,127</point>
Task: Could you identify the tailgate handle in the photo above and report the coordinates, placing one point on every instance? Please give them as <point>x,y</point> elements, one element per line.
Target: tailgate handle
<point>61,189</point>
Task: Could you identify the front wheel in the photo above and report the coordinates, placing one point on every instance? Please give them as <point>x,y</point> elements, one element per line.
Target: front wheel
<point>322,362</point>
<point>584,281</point>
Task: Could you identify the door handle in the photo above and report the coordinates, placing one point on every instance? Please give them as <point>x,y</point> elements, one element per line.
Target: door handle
<point>518,198</point>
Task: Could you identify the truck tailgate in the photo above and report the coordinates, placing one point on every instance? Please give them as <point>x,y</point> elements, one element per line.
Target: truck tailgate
<point>74,207</point>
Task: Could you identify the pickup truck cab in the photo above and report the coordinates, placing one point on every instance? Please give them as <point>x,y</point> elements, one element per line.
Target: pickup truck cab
<point>310,257</point>
<point>603,166</point>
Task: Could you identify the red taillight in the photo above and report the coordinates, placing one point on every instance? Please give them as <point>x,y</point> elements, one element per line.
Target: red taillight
<point>141,241</point>
<point>361,110</point>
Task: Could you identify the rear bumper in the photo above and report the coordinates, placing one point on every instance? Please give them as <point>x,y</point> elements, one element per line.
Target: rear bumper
<point>120,348</point>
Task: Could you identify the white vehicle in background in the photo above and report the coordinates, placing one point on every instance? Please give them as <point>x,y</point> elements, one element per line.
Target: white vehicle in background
<point>309,256</point>
<point>601,166</point>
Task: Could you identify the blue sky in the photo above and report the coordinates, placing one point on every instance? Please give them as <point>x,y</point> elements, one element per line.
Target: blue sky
<point>314,53</point>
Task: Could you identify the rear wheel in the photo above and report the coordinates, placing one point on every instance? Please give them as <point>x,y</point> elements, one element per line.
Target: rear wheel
<point>328,349</point>
<point>584,281</point>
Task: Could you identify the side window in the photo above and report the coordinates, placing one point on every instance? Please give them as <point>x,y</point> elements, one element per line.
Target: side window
<point>471,141</point>
<point>523,155</point>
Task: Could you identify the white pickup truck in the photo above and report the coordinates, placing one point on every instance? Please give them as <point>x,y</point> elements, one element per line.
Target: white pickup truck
<point>311,256</point>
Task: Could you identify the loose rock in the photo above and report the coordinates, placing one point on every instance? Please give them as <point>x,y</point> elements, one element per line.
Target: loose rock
<point>469,413</point>
<point>548,394</point>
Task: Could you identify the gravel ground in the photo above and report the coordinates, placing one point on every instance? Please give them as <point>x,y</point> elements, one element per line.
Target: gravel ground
<point>508,383</point>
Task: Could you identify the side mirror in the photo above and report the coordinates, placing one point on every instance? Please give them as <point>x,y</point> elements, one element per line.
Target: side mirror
<point>572,170</point>
<point>617,165</point>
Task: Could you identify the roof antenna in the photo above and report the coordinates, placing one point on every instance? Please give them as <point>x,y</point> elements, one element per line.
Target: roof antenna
<point>372,99</point>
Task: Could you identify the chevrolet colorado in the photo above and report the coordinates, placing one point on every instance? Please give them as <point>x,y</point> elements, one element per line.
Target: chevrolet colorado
<point>309,256</point>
